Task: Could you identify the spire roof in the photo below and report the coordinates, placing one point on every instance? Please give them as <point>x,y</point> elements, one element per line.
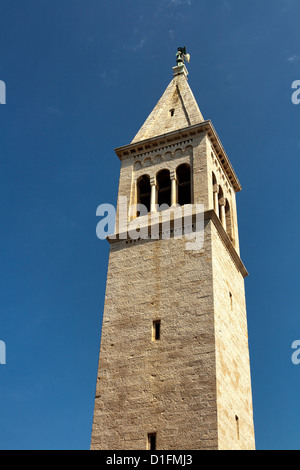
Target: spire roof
<point>177,108</point>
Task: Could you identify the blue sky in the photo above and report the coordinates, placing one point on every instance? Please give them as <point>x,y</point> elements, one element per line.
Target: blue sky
<point>81,78</point>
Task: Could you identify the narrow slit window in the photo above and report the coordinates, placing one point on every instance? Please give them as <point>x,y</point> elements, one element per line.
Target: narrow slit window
<point>156,330</point>
<point>172,111</point>
<point>237,426</point>
<point>152,441</point>
<point>231,300</point>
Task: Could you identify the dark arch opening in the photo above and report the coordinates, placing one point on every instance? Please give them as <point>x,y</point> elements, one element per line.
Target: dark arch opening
<point>221,194</point>
<point>163,181</point>
<point>228,218</point>
<point>144,191</point>
<point>183,173</point>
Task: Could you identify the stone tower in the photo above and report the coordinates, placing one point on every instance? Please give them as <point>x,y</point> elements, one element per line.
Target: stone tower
<point>174,369</point>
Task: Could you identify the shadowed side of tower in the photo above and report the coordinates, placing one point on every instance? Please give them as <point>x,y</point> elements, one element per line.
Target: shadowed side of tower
<point>174,367</point>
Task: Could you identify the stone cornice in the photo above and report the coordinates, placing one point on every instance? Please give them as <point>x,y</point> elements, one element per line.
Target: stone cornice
<point>158,229</point>
<point>164,140</point>
<point>227,242</point>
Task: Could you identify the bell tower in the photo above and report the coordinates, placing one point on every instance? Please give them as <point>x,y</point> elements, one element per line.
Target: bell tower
<point>174,371</point>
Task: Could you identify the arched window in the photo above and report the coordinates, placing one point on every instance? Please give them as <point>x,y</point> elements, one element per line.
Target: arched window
<point>228,217</point>
<point>215,193</point>
<point>221,202</point>
<point>144,191</point>
<point>163,181</point>
<point>220,199</point>
<point>183,173</point>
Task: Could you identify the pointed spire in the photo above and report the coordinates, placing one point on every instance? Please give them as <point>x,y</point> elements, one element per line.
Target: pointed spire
<point>177,107</point>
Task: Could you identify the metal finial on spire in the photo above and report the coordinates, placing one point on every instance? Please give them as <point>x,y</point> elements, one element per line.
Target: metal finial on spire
<point>181,57</point>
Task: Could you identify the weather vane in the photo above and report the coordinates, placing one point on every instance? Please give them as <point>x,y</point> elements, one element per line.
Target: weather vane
<point>181,56</point>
